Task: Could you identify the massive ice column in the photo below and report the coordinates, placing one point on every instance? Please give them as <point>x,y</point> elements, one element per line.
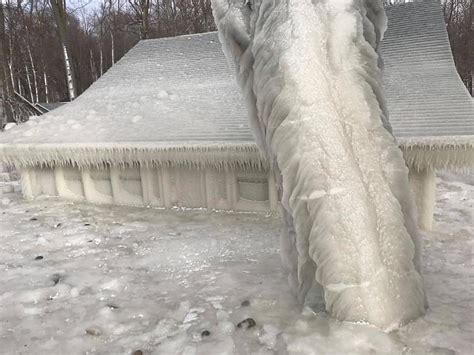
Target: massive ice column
<point>310,73</point>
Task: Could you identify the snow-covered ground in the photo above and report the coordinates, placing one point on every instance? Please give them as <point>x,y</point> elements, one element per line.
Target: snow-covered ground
<point>86,279</point>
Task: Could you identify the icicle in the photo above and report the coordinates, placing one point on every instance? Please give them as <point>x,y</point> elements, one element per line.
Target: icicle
<point>219,156</point>
<point>442,153</point>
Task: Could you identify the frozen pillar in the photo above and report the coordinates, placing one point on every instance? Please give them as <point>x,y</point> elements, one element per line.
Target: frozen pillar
<point>70,189</point>
<point>272,192</point>
<point>423,185</point>
<point>28,183</point>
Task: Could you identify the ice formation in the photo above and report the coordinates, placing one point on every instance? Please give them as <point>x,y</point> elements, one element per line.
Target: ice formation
<point>311,76</point>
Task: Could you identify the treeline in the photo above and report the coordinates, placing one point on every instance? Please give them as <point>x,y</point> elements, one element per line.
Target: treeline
<point>459,18</point>
<point>52,51</point>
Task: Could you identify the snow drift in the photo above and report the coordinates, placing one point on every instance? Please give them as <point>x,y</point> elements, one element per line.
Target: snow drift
<point>311,76</point>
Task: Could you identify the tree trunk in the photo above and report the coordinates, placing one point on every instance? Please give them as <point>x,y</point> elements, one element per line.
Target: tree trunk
<point>33,69</point>
<point>59,10</point>
<point>3,76</point>
<point>93,67</point>
<point>46,89</point>
<point>28,80</point>
<point>5,88</point>
<point>101,60</point>
<point>145,18</point>
<point>112,48</point>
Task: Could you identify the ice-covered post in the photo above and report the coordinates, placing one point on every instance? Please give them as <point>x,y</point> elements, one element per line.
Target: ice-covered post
<point>310,73</point>
<point>423,184</point>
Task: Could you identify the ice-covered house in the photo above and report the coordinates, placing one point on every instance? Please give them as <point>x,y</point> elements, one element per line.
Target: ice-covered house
<point>166,126</point>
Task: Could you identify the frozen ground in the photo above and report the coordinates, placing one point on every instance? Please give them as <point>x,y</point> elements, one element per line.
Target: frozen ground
<point>86,279</point>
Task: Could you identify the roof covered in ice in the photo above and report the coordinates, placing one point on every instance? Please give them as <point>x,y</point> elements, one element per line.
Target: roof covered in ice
<point>431,112</point>
<point>169,97</point>
<point>425,94</point>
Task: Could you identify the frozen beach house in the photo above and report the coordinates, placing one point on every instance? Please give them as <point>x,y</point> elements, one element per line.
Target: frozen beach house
<point>166,126</point>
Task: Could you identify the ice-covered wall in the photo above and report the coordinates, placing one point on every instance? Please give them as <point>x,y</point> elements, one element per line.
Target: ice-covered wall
<point>309,71</point>
<point>249,190</point>
<point>206,188</point>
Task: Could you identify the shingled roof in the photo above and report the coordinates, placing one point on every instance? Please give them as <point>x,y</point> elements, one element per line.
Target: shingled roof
<point>174,101</point>
<point>431,112</point>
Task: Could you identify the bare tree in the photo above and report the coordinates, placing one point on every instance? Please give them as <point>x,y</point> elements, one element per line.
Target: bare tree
<point>141,11</point>
<point>5,84</point>
<point>60,14</point>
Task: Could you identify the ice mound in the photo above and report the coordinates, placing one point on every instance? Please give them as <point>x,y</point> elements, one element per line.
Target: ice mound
<point>310,73</point>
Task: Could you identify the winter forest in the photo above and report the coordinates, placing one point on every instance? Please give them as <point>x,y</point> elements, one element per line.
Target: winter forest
<point>36,37</point>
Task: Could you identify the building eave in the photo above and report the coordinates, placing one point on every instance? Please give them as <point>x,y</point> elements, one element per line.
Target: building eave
<point>435,153</point>
<point>220,155</point>
<point>439,153</point>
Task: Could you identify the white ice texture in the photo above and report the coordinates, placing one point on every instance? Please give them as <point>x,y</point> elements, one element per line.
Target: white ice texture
<point>310,73</point>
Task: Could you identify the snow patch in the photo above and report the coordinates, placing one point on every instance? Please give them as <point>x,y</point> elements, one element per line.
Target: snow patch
<point>136,118</point>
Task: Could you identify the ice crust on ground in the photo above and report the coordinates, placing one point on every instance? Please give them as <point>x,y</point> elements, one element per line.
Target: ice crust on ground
<point>116,279</point>
<point>310,74</point>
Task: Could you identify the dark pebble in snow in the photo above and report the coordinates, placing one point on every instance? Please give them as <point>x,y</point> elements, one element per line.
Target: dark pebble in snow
<point>247,323</point>
<point>39,257</point>
<point>93,331</point>
<point>137,352</point>
<point>56,278</point>
<point>33,219</point>
<point>245,303</point>
<point>205,333</point>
